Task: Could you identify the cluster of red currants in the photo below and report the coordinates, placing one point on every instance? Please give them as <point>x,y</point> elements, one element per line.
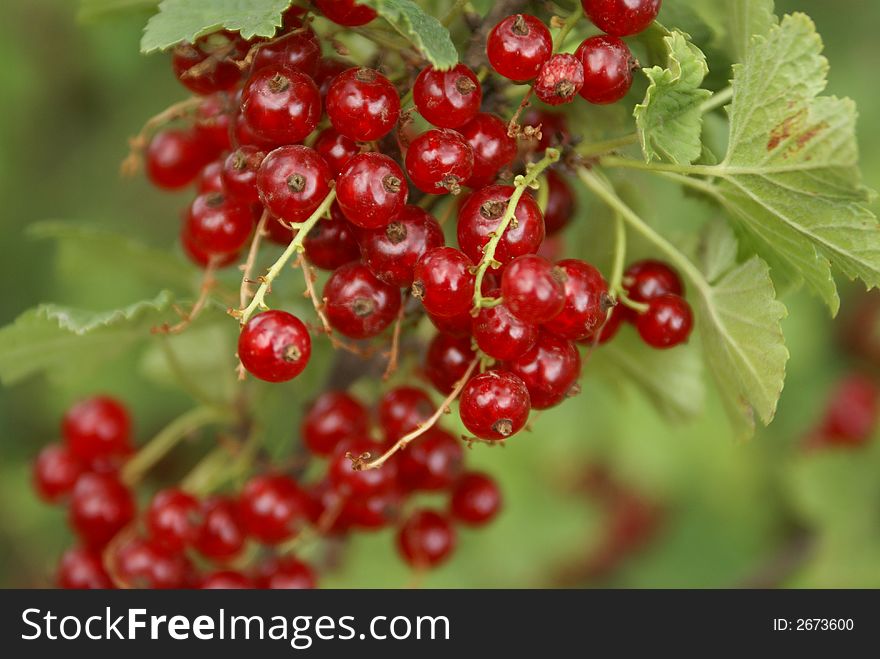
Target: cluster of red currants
<point>850,416</point>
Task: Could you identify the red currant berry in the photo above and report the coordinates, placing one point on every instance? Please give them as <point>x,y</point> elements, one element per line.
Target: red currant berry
<point>402,410</point>
<point>518,46</point>
<point>475,499</point>
<point>346,12</point>
<point>550,370</point>
<point>373,512</point>
<point>209,65</point>
<point>533,288</point>
<point>500,334</point>
<point>608,69</point>
<point>240,173</point>
<point>141,563</point>
<point>586,300</point>
<point>447,99</point>
<point>362,104</point>
<point>560,79</point>
<point>97,428</point>
<point>426,539</point>
<point>853,408</point>
<point>560,203</point>
<point>365,482</point>
<point>443,281</point>
<point>197,254</point>
<point>246,136</point>
<point>210,178</point>
<point>620,18</point>
<point>458,326</point>
<point>608,328</point>
<point>100,507</point>
<point>494,405</point>
<point>554,128</point>
<point>493,148</point>
<point>293,181</point>
<point>226,580</point>
<point>219,224</point>
<point>667,322</point>
<point>481,214</point>
<point>334,417</point>
<point>212,121</point>
<point>175,157</point>
<point>328,69</point>
<point>439,161</point>
<point>173,519</point>
<point>431,463</point>
<point>56,471</point>
<point>391,252</point>
<point>274,346</point>
<point>281,105</point>
<point>357,304</point>
<point>273,508</point>
<point>331,243</point>
<point>82,569</point>
<point>221,535</point>
<point>646,280</point>
<point>371,190</point>
<point>336,149</point>
<point>286,573</point>
<point>297,50</point>
<point>447,360</point>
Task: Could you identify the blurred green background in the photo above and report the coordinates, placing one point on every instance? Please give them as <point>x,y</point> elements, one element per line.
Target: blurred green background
<point>704,511</point>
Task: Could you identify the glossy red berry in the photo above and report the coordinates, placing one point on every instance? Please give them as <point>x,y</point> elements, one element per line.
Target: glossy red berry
<point>458,326</point>
<point>362,104</point>
<point>273,508</point>
<point>97,428</point>
<point>239,173</point>
<point>559,79</point>
<point>334,417</point>
<point>518,46</point>
<point>100,507</point>
<point>447,360</point>
<point>439,161</point>
<point>493,148</point>
<point>550,370</point>
<point>141,563</point>
<point>586,301</point>
<point>667,322</point>
<point>293,181</point>
<point>426,539</point>
<point>210,178</point>
<point>331,242</point>
<point>281,105</point>
<point>533,288</point>
<point>402,410</point>
<point>502,335</point>
<point>494,405</point>
<point>372,512</point>
<point>482,213</point>
<point>475,499</point>
<point>297,50</point>
<point>336,149</point>
<point>365,482</point>
<point>357,304</point>
<point>219,224</point>
<point>852,412</point>
<point>447,99</point>
<point>210,64</point>
<point>175,157</point>
<point>226,580</point>
<point>620,18</point>
<point>649,279</point>
<point>212,121</point>
<point>173,519</point>
<point>608,69</point>
<point>221,535</point>
<point>607,328</point>
<point>371,190</point>
<point>443,281</point>
<point>391,252</point>
<point>328,69</point>
<point>432,462</point>
<point>346,12</point>
<point>198,255</point>
<point>56,471</point>
<point>560,203</point>
<point>81,568</point>
<point>285,573</point>
<point>274,346</point>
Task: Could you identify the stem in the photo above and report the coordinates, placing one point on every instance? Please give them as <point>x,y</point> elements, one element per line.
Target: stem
<point>139,142</point>
<point>521,183</point>
<point>717,100</point>
<point>248,266</point>
<point>259,299</point>
<point>453,12</point>
<point>187,318</point>
<point>619,254</point>
<point>588,150</point>
<point>629,163</point>
<point>570,22</point>
<point>359,464</point>
<point>158,447</point>
<point>394,351</point>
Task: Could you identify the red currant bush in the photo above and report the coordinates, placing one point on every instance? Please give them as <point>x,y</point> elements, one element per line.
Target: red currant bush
<point>495,405</point>
<point>274,346</point>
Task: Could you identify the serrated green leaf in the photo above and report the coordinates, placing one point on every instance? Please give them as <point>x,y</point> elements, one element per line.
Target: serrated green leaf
<point>65,343</point>
<point>423,30</point>
<point>185,20</point>
<point>732,22</point>
<point>746,19</point>
<point>670,120</point>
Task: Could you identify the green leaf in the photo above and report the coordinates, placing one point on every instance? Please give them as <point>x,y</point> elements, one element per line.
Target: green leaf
<point>791,177</point>
<point>748,18</point>
<point>65,343</point>
<point>185,20</point>
<point>424,31</point>
<point>738,317</point>
<point>92,10</point>
<point>732,22</point>
<point>669,120</point>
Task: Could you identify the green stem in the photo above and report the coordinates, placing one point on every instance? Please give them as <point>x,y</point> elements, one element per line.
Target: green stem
<point>295,246</point>
<point>570,22</point>
<point>521,183</point>
<point>629,163</point>
<point>588,150</point>
<point>453,12</point>
<point>619,254</point>
<point>717,100</point>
